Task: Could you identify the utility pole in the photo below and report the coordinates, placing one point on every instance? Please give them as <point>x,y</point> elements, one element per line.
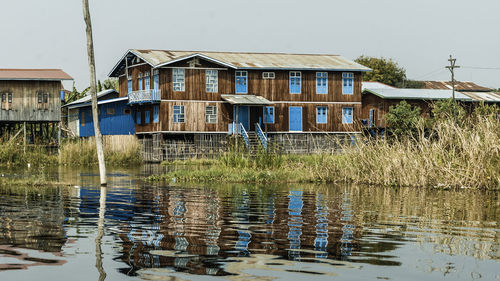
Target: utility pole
<point>452,67</point>
<point>93,93</point>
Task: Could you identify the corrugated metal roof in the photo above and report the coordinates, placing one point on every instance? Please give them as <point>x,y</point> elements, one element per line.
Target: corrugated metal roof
<point>243,60</point>
<point>246,99</point>
<point>459,86</point>
<point>88,103</point>
<point>34,74</point>
<point>417,94</point>
<point>375,85</point>
<point>88,97</point>
<point>484,96</point>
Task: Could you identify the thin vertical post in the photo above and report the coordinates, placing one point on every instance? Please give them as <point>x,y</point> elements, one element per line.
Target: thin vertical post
<point>24,138</point>
<point>452,67</point>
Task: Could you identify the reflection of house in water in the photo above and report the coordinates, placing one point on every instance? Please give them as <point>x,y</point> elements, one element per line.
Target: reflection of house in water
<point>197,229</point>
<point>29,222</point>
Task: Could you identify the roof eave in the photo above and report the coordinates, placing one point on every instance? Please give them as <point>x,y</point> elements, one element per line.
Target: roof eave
<point>129,51</point>
<point>196,55</point>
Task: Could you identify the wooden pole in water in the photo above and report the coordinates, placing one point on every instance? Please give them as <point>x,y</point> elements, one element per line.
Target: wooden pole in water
<point>24,138</point>
<point>93,93</point>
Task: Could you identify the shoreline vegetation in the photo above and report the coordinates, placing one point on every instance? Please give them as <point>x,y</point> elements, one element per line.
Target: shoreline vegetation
<point>74,152</point>
<point>437,152</point>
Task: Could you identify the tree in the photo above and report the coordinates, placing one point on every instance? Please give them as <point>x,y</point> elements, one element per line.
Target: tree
<point>384,70</point>
<point>110,83</point>
<point>446,109</point>
<point>93,92</point>
<point>402,119</point>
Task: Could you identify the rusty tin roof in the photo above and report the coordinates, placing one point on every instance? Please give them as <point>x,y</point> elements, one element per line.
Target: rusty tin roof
<point>243,60</point>
<point>34,74</point>
<point>459,86</point>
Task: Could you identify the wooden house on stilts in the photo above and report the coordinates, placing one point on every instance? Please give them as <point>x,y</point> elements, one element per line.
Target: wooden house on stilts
<point>302,101</point>
<point>31,97</point>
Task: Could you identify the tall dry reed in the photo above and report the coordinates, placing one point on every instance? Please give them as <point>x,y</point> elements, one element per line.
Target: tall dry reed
<point>450,154</point>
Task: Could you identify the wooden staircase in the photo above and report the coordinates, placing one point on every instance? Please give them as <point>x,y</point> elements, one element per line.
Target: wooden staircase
<point>253,142</point>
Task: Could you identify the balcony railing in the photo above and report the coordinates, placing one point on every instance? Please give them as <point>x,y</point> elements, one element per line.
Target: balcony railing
<point>144,96</point>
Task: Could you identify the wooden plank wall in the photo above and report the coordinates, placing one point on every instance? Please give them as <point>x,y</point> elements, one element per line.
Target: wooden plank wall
<point>25,106</point>
<point>381,107</point>
<point>195,98</point>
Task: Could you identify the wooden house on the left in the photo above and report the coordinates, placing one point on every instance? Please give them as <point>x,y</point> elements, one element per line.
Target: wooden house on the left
<point>31,96</point>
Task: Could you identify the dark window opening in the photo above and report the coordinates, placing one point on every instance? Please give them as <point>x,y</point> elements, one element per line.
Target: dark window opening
<point>39,97</point>
<point>45,98</point>
<point>10,97</point>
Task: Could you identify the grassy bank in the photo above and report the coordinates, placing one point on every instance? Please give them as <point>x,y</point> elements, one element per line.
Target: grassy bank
<point>82,152</point>
<point>463,154</point>
<point>77,152</point>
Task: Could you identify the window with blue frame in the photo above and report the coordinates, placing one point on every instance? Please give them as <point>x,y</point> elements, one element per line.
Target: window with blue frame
<point>347,115</point>
<point>156,113</point>
<point>321,114</point>
<point>241,82</point>
<point>178,79</point>
<point>295,82</point>
<point>321,82</point>
<point>139,79</point>
<point>129,84</point>
<point>269,115</point>
<point>347,83</point>
<point>138,117</point>
<point>156,79</point>
<point>147,81</point>
<point>146,117</point>
<point>178,114</point>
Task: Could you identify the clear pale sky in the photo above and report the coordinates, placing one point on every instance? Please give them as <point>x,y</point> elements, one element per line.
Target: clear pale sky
<point>419,35</point>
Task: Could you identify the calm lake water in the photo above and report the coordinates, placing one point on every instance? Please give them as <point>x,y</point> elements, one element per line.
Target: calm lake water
<point>244,232</point>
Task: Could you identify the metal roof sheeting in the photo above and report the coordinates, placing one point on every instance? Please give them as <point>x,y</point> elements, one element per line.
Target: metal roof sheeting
<point>417,94</point>
<point>237,60</point>
<point>34,74</point>
<point>484,96</point>
<point>459,86</point>
<point>246,100</point>
<point>375,85</point>
<point>88,98</point>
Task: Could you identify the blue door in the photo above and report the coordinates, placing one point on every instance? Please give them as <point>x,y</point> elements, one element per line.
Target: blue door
<point>295,118</point>
<point>241,82</point>
<point>243,116</point>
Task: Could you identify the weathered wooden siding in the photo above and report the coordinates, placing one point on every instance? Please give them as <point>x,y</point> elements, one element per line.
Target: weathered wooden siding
<point>25,106</point>
<point>195,98</point>
<point>381,107</point>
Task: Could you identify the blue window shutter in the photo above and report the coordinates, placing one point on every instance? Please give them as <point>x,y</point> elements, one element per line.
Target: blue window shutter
<point>140,84</point>
<point>269,114</point>
<point>347,115</point>
<point>156,82</point>
<point>138,117</point>
<point>129,86</point>
<point>146,117</point>
<point>156,113</point>
<point>321,114</point>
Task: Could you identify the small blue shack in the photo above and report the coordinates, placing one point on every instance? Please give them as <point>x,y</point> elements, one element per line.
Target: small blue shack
<point>115,116</point>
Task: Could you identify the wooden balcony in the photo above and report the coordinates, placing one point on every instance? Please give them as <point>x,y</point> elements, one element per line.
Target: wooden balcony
<point>144,96</point>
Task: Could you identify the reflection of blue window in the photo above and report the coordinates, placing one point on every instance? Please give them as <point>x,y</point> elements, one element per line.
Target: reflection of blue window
<point>321,82</point>
<point>321,114</point>
<point>347,82</point>
<point>269,114</point>
<point>347,115</point>
<point>156,114</point>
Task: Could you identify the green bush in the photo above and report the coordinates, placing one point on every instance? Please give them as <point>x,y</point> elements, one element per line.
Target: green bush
<point>403,119</point>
